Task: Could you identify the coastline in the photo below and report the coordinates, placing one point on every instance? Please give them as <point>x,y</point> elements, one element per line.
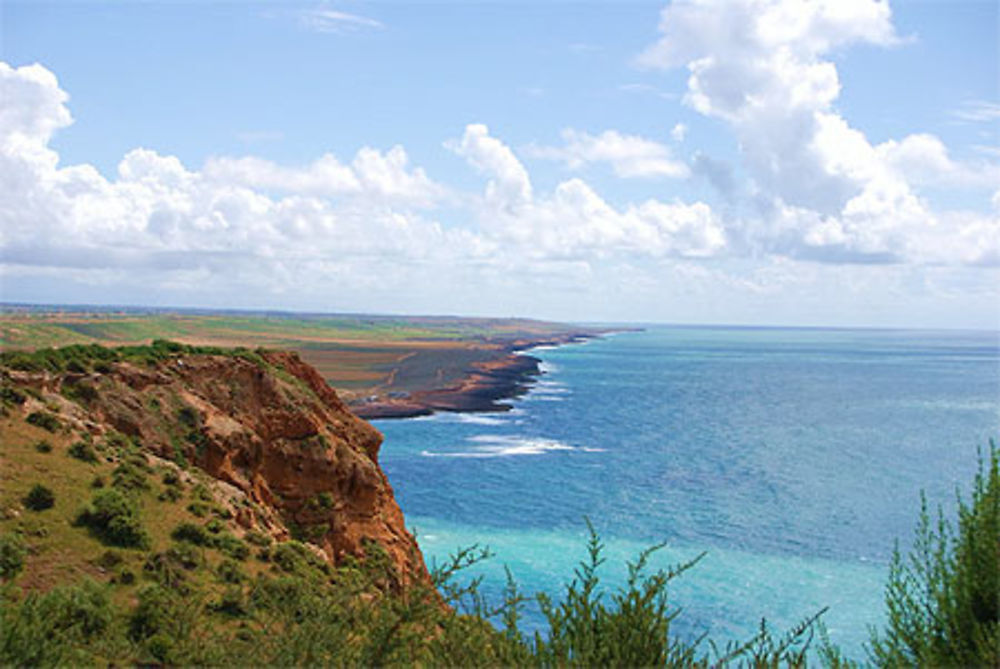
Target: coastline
<point>507,371</point>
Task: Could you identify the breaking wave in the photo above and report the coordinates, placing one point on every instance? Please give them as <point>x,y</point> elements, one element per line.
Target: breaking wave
<point>496,446</point>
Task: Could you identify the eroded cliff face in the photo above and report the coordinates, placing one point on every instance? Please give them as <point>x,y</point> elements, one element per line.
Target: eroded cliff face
<point>265,423</point>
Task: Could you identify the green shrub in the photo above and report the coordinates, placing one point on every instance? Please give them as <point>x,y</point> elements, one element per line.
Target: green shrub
<point>109,559</point>
<point>114,519</point>
<point>81,450</point>
<point>11,395</point>
<point>12,552</point>
<point>80,392</point>
<point>152,614</point>
<point>170,494</point>
<point>124,576</point>
<point>943,602</point>
<point>229,571</point>
<point>258,538</point>
<point>199,509</point>
<point>44,420</point>
<point>43,446</point>
<point>232,602</point>
<point>233,547</point>
<point>66,626</point>
<point>39,498</point>
<point>129,478</point>
<point>191,533</point>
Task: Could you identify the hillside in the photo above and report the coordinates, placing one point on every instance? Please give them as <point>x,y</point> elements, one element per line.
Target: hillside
<point>279,453</point>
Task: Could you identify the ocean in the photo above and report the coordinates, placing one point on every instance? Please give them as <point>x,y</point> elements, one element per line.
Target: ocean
<point>794,458</point>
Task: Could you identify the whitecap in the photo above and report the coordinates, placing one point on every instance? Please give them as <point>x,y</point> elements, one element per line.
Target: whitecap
<point>494,446</point>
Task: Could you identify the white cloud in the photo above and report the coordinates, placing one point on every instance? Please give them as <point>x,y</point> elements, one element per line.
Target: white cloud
<point>333,21</point>
<point>509,187</point>
<point>363,234</point>
<point>759,66</point>
<point>575,222</point>
<point>978,111</point>
<point>679,132</point>
<point>923,159</point>
<point>628,155</point>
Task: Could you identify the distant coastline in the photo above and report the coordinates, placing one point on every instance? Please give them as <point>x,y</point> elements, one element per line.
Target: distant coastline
<point>502,374</point>
<point>382,366</point>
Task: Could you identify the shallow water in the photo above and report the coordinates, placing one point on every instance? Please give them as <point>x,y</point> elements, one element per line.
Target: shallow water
<point>795,458</point>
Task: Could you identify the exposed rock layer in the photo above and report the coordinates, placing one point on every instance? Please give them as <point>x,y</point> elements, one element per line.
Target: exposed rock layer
<point>268,425</point>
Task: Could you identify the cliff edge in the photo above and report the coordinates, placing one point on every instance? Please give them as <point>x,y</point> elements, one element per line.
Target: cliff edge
<point>291,460</point>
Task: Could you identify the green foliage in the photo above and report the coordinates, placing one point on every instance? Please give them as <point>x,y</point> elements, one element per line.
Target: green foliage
<point>43,446</point>
<point>129,478</point>
<point>81,450</point>
<point>11,395</point>
<point>191,533</point>
<point>633,631</point>
<point>39,498</point>
<point>944,601</point>
<point>12,552</point>
<point>114,518</point>
<point>82,358</point>
<point>44,420</point>
<point>67,626</point>
<point>81,391</point>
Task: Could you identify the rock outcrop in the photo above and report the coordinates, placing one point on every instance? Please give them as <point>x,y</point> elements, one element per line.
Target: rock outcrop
<point>265,423</point>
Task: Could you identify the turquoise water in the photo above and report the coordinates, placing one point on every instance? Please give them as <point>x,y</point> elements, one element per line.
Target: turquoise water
<point>793,457</point>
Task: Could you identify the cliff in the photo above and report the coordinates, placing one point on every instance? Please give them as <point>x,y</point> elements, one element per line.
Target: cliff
<point>290,458</point>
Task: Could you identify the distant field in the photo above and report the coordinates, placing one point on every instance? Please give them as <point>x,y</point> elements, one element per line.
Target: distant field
<point>356,354</point>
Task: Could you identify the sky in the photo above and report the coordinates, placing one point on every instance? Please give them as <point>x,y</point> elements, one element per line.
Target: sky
<point>759,162</point>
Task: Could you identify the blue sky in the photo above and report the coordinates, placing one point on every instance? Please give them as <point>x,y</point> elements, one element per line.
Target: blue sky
<point>740,161</point>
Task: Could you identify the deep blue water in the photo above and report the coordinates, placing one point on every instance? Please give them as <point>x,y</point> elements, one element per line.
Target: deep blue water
<point>794,457</point>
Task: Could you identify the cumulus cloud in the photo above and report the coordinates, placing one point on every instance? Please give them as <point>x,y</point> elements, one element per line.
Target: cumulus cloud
<point>574,221</point>
<point>628,155</point>
<point>252,227</point>
<point>509,187</point>
<point>760,66</point>
<point>385,176</point>
<point>234,215</point>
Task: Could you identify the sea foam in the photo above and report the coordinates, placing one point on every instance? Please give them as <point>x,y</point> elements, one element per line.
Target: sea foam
<point>496,446</point>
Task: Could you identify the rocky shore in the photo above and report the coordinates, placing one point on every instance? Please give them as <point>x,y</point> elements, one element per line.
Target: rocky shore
<point>506,372</point>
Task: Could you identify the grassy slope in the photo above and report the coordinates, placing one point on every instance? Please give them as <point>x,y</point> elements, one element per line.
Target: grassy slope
<point>59,551</point>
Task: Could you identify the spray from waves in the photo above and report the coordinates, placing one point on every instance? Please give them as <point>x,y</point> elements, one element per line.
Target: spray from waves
<point>497,446</point>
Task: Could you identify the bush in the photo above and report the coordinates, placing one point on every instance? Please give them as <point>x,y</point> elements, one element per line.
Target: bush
<point>191,533</point>
<point>12,552</point>
<point>10,395</point>
<point>233,547</point>
<point>66,626</point>
<point>129,478</point>
<point>114,518</point>
<point>39,498</point>
<point>943,602</point>
<point>229,571</point>
<point>44,420</point>
<point>43,446</point>
<point>81,450</point>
